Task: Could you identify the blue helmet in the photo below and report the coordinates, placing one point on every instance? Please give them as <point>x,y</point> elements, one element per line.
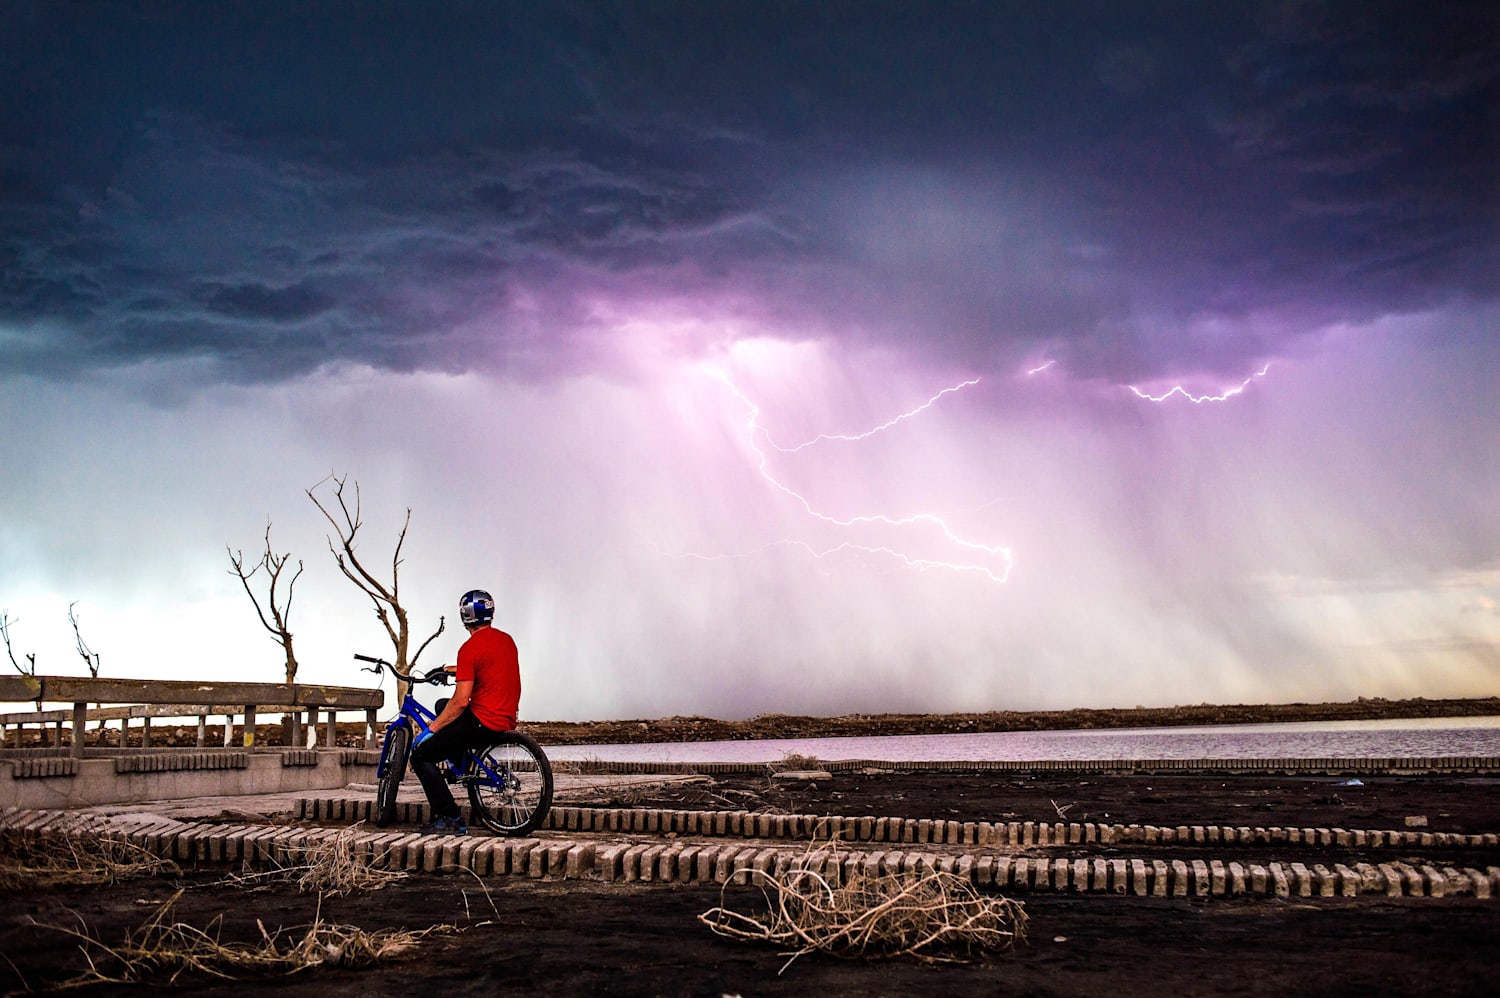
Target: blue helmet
<point>476,607</point>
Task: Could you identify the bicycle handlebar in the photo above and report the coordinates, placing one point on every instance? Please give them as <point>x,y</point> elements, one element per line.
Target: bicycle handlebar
<point>437,677</point>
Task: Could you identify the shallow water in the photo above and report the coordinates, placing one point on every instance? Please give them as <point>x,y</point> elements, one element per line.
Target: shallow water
<point>1418,737</point>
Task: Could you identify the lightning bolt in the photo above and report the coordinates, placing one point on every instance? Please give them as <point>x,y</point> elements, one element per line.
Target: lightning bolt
<point>754,431</point>
<point>1229,393</point>
<point>855,437</point>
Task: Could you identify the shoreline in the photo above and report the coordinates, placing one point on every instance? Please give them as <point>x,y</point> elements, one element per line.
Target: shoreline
<point>771,726</point>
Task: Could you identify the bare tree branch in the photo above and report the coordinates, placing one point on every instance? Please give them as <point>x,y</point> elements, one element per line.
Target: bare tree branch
<point>384,597</point>
<point>279,624</point>
<point>5,623</point>
<point>442,622</point>
<point>90,658</point>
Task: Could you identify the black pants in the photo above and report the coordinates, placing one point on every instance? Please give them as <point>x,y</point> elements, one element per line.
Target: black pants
<point>448,743</point>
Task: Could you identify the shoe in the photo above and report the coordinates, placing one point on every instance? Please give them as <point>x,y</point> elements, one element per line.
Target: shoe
<point>445,826</point>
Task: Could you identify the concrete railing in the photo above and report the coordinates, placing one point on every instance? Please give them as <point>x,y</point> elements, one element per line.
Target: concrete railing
<point>148,698</point>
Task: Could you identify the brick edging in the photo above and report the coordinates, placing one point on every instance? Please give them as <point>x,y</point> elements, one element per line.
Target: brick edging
<point>686,862</point>
<point>1323,766</point>
<point>923,831</point>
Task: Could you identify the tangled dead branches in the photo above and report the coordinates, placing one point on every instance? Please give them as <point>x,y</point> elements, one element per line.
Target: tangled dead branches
<point>159,948</point>
<point>86,859</point>
<point>329,865</point>
<point>933,917</point>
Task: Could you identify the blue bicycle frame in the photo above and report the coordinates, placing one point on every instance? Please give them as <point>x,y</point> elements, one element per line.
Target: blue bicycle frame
<point>414,714</point>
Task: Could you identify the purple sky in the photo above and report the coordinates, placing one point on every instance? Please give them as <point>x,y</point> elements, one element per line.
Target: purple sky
<point>798,357</point>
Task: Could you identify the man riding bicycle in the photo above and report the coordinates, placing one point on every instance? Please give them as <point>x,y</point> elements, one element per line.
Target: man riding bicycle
<point>486,695</point>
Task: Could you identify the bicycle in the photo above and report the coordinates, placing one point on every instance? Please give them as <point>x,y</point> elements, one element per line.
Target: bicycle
<point>509,781</point>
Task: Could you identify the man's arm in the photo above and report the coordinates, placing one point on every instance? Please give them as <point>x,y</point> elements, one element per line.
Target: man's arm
<point>462,691</point>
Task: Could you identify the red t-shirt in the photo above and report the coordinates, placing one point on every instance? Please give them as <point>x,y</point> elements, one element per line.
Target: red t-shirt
<point>489,659</point>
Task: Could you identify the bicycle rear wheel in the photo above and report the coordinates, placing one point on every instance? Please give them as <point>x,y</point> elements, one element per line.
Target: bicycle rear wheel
<point>393,756</point>
<point>517,798</point>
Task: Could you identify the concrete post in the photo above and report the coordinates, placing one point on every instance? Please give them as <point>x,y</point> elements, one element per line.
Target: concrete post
<point>250,725</point>
<point>370,728</point>
<point>312,727</point>
<point>80,722</point>
<point>228,728</point>
<point>202,729</point>
<point>146,731</point>
<point>333,739</point>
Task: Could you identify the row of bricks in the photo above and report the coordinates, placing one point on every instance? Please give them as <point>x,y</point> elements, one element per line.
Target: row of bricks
<point>168,762</point>
<point>1287,765</point>
<point>685,862</point>
<point>923,830</point>
<point>171,761</point>
<point>159,762</point>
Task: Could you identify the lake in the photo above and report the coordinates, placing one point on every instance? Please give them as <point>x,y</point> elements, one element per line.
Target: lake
<point>1412,737</point>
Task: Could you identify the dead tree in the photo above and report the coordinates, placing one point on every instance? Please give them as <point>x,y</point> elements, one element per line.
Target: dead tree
<point>386,596</point>
<point>90,658</point>
<point>280,611</point>
<point>25,670</point>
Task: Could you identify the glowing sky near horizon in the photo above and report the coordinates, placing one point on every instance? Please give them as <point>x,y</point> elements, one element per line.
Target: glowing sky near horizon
<point>809,358</point>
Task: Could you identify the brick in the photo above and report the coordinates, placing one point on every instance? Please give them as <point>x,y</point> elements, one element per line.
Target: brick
<point>431,855</point>
<point>1021,876</point>
<point>1394,883</point>
<point>1158,878</point>
<point>1179,879</point>
<point>1060,870</point>
<point>1437,884</point>
<point>1218,878</point>
<point>1324,880</point>
<point>1279,882</point>
<point>579,861</point>
<point>608,861</point>
<point>1478,883</point>
<point>630,861</point>
<point>724,865</point>
<point>703,863</point>
<point>1237,884</point>
<point>1258,879</point>
<point>1301,880</point>
<point>647,861</point>
<point>1081,875</point>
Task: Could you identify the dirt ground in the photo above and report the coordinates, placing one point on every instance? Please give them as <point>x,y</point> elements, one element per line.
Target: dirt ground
<point>644,939</point>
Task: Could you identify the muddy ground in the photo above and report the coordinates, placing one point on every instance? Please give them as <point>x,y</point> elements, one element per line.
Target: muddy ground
<point>644,939</point>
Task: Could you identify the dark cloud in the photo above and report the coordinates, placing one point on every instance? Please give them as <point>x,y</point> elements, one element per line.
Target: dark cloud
<point>1141,191</point>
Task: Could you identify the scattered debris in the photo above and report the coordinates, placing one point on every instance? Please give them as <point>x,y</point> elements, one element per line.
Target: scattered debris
<point>933,917</point>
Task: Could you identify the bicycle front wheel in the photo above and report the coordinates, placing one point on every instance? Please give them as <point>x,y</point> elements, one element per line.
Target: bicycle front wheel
<point>510,786</point>
<point>393,755</point>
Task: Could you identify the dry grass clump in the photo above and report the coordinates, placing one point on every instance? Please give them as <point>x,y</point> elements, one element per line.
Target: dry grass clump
<point>163,949</point>
<point>792,762</point>
<point>83,859</point>
<point>933,917</point>
<point>329,865</point>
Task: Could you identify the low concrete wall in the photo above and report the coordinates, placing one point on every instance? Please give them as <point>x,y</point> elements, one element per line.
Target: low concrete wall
<point>72,783</point>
